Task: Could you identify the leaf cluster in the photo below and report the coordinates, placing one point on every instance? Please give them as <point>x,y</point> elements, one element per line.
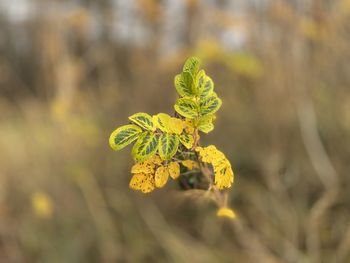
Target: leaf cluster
<point>162,142</point>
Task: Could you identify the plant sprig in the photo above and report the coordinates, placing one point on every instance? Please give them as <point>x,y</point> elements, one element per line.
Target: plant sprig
<point>168,146</point>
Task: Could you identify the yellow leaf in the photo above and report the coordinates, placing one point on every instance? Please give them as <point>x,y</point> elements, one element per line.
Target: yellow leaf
<point>174,170</point>
<point>189,164</point>
<point>161,176</point>
<point>186,140</point>
<point>161,121</point>
<point>223,172</point>
<point>176,125</point>
<point>226,212</point>
<point>223,175</point>
<point>143,167</point>
<point>142,182</point>
<point>189,127</point>
<point>155,159</point>
<point>146,167</point>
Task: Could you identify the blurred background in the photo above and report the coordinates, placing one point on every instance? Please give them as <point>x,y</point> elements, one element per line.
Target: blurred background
<point>72,71</point>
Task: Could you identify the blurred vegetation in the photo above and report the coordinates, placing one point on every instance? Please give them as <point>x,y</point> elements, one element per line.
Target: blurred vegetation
<point>70,74</point>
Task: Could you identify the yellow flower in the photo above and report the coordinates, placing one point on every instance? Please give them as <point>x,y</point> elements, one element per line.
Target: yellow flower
<point>42,205</point>
<point>226,212</point>
<point>222,168</point>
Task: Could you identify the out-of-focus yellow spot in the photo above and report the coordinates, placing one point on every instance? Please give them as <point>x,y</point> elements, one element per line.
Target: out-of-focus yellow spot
<point>344,7</point>
<point>226,212</point>
<point>246,64</point>
<point>243,63</point>
<point>60,110</point>
<point>42,205</point>
<point>79,20</point>
<point>313,30</point>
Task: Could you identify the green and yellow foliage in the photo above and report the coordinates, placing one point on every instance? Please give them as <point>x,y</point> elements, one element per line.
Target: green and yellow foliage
<point>168,146</point>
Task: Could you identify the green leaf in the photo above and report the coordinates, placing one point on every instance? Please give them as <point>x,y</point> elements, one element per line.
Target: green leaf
<point>187,108</point>
<point>143,120</point>
<point>204,86</point>
<point>210,105</point>
<point>205,123</point>
<point>186,140</point>
<point>123,136</point>
<point>168,144</point>
<point>183,83</point>
<point>191,65</point>
<point>145,147</point>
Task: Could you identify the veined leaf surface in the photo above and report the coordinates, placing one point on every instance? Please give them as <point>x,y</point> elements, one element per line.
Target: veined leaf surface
<point>161,120</point>
<point>204,86</point>
<point>168,144</point>
<point>123,136</point>
<point>183,84</point>
<point>205,123</point>
<point>169,124</point>
<point>187,108</point>
<point>186,140</point>
<point>143,120</point>
<point>145,147</point>
<point>191,65</point>
<point>210,105</point>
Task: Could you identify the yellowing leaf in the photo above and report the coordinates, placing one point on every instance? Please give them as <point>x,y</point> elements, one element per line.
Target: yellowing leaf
<point>142,182</point>
<point>191,65</point>
<point>169,124</point>
<point>161,176</point>
<point>168,144</point>
<point>161,121</point>
<point>222,168</point>
<point>205,123</point>
<point>145,147</point>
<point>223,175</point>
<point>210,105</point>
<point>123,136</point>
<point>186,140</point>
<point>187,108</point>
<point>190,164</point>
<point>204,86</point>
<point>142,167</point>
<point>176,125</point>
<point>183,84</point>
<point>143,120</point>
<point>155,160</point>
<point>174,170</point>
<point>189,126</point>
